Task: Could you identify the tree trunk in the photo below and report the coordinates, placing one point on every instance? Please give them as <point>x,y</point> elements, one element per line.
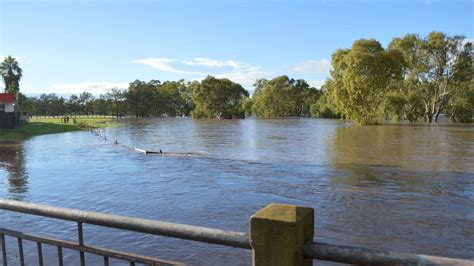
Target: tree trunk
<point>436,116</point>
<point>429,118</point>
<point>440,107</point>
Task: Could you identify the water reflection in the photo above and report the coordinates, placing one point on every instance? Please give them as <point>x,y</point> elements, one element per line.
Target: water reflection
<point>12,160</point>
<point>422,147</point>
<point>390,180</point>
<point>402,188</point>
<point>416,159</point>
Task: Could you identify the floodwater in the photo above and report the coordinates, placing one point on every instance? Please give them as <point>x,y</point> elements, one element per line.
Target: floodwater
<point>407,188</point>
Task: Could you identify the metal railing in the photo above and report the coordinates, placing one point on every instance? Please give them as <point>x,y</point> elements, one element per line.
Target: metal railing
<point>321,251</point>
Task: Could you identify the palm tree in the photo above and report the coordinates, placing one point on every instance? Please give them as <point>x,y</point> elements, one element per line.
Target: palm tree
<point>11,74</point>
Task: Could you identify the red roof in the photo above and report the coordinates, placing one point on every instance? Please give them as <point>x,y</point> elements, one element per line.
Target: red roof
<point>6,98</point>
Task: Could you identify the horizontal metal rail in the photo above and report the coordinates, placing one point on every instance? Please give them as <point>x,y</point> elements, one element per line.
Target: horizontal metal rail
<point>87,249</point>
<point>365,256</point>
<point>321,251</point>
<point>183,231</point>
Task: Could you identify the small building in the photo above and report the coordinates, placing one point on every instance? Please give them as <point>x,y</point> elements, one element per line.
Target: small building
<point>9,111</point>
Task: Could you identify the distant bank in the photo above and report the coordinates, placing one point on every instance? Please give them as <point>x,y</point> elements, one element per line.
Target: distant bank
<point>51,125</point>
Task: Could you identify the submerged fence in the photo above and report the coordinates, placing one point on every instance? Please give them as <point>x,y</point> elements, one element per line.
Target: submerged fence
<point>279,235</point>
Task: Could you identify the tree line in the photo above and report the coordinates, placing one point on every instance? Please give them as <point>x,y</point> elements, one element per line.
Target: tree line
<point>415,78</point>
<point>211,98</point>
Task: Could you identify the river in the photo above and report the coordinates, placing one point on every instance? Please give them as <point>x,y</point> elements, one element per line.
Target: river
<point>407,188</point>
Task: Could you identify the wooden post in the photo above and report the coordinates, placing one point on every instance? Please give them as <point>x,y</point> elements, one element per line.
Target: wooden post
<point>278,233</point>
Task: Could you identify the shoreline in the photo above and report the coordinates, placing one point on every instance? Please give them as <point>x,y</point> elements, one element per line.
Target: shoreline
<point>44,126</point>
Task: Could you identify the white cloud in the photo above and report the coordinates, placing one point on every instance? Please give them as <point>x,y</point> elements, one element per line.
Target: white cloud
<point>245,77</point>
<point>94,87</point>
<point>197,66</point>
<point>316,83</point>
<point>318,67</point>
<point>240,72</point>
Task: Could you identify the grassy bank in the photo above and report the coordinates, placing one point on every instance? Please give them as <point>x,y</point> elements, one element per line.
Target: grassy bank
<point>81,121</point>
<point>41,126</point>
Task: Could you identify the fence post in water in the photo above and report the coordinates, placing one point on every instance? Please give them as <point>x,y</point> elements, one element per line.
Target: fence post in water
<point>278,234</point>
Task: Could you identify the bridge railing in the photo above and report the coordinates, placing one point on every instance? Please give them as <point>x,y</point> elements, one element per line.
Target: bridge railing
<point>279,235</point>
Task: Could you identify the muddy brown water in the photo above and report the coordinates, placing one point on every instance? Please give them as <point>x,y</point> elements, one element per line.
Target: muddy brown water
<point>407,188</point>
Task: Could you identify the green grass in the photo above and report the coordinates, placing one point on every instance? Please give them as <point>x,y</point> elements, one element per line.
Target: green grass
<point>82,121</point>
<point>41,126</point>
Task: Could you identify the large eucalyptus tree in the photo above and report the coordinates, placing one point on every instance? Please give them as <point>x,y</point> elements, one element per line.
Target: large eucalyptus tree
<point>438,67</point>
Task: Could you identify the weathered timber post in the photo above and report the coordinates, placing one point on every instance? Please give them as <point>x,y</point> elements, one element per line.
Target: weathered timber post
<point>278,233</point>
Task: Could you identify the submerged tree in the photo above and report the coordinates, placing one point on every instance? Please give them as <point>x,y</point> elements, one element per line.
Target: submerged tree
<point>437,68</point>
<point>141,98</point>
<point>218,98</point>
<point>174,97</point>
<point>461,107</point>
<point>283,97</point>
<point>361,79</point>
<point>11,74</point>
<point>323,107</point>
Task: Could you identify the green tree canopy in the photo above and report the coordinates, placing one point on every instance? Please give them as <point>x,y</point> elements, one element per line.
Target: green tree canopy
<point>218,98</point>
<point>361,79</point>
<point>175,98</point>
<point>461,106</point>
<point>142,96</point>
<point>323,107</point>
<point>115,98</point>
<point>437,68</point>
<point>283,97</point>
<point>85,101</point>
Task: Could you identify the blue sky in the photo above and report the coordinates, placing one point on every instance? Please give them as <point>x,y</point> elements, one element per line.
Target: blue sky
<point>71,46</point>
